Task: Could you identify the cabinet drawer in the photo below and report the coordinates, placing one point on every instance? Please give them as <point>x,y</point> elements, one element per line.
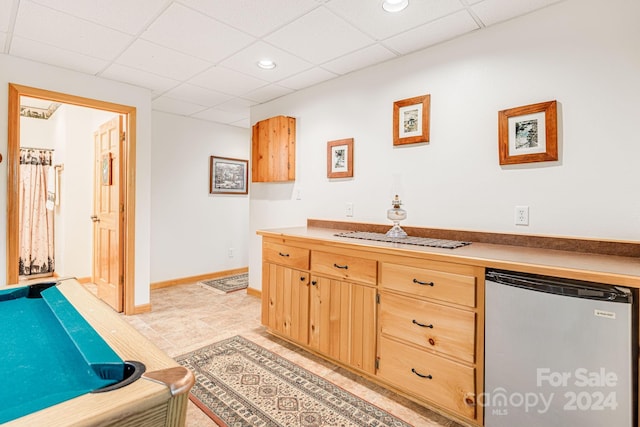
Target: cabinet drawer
<point>286,255</point>
<point>441,329</point>
<point>344,266</point>
<point>440,285</point>
<point>433,378</point>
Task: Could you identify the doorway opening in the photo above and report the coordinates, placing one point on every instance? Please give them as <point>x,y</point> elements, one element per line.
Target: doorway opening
<point>121,260</point>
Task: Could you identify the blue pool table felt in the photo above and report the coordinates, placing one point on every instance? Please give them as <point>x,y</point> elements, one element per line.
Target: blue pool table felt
<point>50,353</point>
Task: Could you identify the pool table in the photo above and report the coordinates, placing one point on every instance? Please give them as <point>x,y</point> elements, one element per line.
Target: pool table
<point>67,359</point>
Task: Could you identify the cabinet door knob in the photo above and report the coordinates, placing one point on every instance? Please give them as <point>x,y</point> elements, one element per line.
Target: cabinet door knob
<point>429,377</point>
<point>313,282</point>
<point>423,283</point>
<point>422,325</point>
<point>302,278</point>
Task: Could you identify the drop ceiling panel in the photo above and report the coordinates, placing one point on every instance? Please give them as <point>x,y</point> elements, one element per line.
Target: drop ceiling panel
<point>494,11</point>
<point>216,115</point>
<point>319,36</point>
<point>227,81</point>
<point>268,93</point>
<point>6,6</point>
<point>176,106</point>
<point>123,15</point>
<point>147,56</point>
<point>286,63</point>
<point>139,78</point>
<point>52,55</point>
<point>48,26</point>
<point>427,35</point>
<point>256,17</point>
<point>369,16</point>
<point>198,95</point>
<point>191,32</point>
<point>359,59</point>
<point>307,78</point>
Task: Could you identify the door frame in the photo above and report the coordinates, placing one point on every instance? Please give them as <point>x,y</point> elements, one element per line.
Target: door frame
<point>127,185</point>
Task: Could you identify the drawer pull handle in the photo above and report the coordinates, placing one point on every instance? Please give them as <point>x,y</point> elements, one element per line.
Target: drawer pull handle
<point>422,283</point>
<point>429,377</point>
<point>422,325</point>
<point>344,267</point>
<point>281,254</point>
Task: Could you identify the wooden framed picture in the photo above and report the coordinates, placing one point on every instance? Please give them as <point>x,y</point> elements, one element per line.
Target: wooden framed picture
<point>228,176</point>
<point>106,169</point>
<point>411,120</point>
<point>528,134</point>
<point>340,158</point>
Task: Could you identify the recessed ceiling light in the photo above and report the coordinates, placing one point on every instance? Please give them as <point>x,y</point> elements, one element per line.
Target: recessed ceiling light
<point>395,5</point>
<point>266,64</point>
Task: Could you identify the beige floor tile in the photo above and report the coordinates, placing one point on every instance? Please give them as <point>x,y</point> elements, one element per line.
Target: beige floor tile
<point>187,317</point>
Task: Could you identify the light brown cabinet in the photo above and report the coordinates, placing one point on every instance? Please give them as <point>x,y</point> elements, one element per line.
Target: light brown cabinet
<point>429,334</point>
<point>412,325</point>
<point>273,150</point>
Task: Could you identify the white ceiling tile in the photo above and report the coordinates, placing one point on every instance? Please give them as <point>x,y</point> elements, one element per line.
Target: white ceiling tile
<point>227,81</point>
<point>54,28</point>
<point>307,78</point>
<point>196,34</point>
<point>246,60</point>
<point>52,55</point>
<point>267,93</point>
<point>175,106</point>
<point>244,123</point>
<point>435,32</point>
<point>236,105</point>
<point>3,39</point>
<point>123,15</point>
<point>6,7</point>
<point>494,11</point>
<point>198,95</point>
<point>139,78</point>
<point>319,36</point>
<point>359,59</point>
<point>215,115</point>
<point>163,61</point>
<point>256,17</point>
<point>369,16</point>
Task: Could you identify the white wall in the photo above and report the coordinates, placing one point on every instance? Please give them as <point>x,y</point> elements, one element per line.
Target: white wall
<point>28,73</point>
<point>193,230</point>
<point>584,54</point>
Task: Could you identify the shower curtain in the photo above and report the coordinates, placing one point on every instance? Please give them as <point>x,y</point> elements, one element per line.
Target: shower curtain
<point>36,221</point>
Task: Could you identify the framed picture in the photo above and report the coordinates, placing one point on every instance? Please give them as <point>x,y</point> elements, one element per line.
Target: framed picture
<point>411,120</point>
<point>105,169</point>
<point>340,158</point>
<point>228,176</point>
<point>528,134</point>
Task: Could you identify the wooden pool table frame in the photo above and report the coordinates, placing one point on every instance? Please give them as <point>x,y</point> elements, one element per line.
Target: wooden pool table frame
<point>159,398</point>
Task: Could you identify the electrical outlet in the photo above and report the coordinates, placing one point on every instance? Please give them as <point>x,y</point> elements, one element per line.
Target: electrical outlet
<point>231,252</point>
<point>522,215</point>
<point>348,209</point>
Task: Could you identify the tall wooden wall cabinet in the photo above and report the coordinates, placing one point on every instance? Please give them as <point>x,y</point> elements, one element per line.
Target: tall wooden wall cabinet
<point>273,150</point>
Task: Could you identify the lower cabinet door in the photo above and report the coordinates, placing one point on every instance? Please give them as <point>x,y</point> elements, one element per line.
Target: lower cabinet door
<point>429,377</point>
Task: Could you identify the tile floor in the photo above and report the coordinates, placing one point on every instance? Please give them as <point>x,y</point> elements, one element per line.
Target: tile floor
<point>187,317</point>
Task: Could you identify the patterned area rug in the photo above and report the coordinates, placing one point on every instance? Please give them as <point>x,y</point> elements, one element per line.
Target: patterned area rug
<point>239,383</point>
<point>229,283</point>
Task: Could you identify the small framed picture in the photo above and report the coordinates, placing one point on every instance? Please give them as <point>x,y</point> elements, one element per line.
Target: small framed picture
<point>106,169</point>
<point>411,120</point>
<point>528,134</point>
<point>340,158</point>
<point>228,176</point>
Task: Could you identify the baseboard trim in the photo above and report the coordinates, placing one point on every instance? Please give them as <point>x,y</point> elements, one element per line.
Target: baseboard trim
<point>193,279</point>
<point>139,309</point>
<point>254,292</point>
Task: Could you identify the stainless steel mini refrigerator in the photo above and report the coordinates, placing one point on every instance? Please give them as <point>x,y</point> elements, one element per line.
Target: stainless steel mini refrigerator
<point>558,352</point>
